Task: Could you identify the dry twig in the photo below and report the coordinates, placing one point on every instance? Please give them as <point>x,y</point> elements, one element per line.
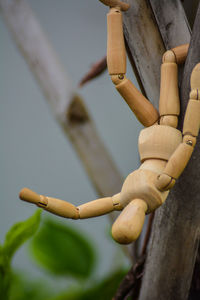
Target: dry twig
<point>97,69</point>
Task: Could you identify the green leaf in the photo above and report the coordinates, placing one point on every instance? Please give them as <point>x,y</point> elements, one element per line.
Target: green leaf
<point>19,233</point>
<point>63,251</point>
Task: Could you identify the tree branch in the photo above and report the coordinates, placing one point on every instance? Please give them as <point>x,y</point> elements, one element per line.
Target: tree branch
<point>175,236</point>
<point>145,46</point>
<point>97,69</point>
<point>174,239</point>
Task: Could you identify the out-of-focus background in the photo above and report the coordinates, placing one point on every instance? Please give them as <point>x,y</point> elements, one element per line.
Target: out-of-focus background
<point>34,151</point>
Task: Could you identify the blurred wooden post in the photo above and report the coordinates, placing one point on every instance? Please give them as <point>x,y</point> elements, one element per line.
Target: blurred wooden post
<point>67,107</point>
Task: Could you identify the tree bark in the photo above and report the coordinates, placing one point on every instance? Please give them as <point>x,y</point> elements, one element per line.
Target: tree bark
<point>172,22</point>
<point>151,27</point>
<point>174,241</point>
<point>175,236</point>
<point>145,46</point>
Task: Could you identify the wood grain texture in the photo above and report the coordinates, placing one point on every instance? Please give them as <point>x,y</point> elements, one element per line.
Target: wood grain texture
<point>192,118</point>
<point>141,184</point>
<point>169,103</point>
<point>172,22</point>
<point>159,142</point>
<point>175,237</point>
<point>67,107</point>
<point>140,106</point>
<point>145,46</point>
<point>96,208</point>
<point>178,160</point>
<point>129,223</point>
<point>181,53</point>
<point>116,53</point>
<point>195,78</point>
<point>56,206</point>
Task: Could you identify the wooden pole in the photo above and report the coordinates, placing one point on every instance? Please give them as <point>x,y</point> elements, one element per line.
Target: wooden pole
<point>68,107</point>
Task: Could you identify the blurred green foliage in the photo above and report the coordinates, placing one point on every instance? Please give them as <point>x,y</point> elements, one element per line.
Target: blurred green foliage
<point>103,290</point>
<point>24,289</point>
<point>19,233</point>
<point>15,237</point>
<point>61,251</point>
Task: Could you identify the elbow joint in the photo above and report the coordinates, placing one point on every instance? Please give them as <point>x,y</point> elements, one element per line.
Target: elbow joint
<point>169,57</point>
<point>117,78</point>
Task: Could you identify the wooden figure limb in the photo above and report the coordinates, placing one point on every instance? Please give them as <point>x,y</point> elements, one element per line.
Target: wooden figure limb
<point>181,53</point>
<point>169,104</point>
<point>175,166</point>
<point>67,210</point>
<point>191,125</point>
<point>128,225</point>
<point>140,106</point>
<point>116,61</point>
<point>99,207</point>
<point>116,54</point>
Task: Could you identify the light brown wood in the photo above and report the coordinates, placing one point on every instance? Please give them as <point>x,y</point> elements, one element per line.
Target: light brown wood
<point>56,206</point>
<point>195,78</point>
<point>181,53</point>
<point>192,118</point>
<point>98,207</point>
<point>128,225</point>
<point>116,202</point>
<point>67,210</point>
<point>178,160</point>
<point>195,95</point>
<point>190,140</point>
<point>169,97</point>
<point>169,57</point>
<point>141,184</point>
<point>159,142</point>
<point>154,165</point>
<point>30,196</point>
<point>164,182</point>
<point>195,83</point>
<point>113,3</point>
<point>116,54</point>
<point>169,120</point>
<point>140,106</point>
<point>62,208</point>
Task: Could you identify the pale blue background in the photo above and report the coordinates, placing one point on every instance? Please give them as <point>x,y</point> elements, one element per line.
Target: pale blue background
<point>34,152</point>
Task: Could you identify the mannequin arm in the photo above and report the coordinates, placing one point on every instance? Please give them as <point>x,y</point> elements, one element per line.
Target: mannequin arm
<point>169,104</point>
<point>67,210</point>
<point>116,61</point>
<point>182,154</point>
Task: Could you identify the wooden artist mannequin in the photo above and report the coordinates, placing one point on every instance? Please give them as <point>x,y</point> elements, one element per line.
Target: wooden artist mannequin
<point>164,152</point>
